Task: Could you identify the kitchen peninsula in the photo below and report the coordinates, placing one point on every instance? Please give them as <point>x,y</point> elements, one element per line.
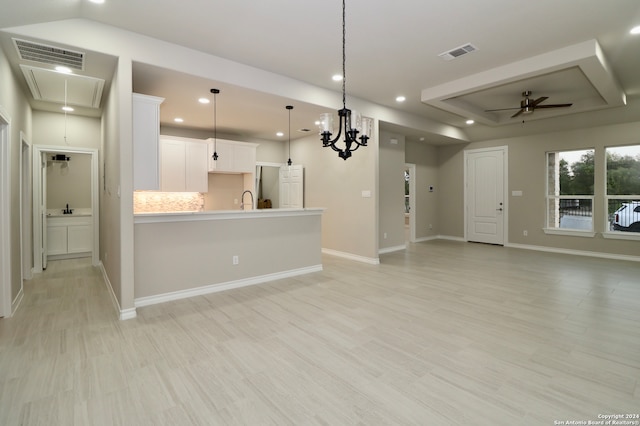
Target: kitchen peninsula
<point>185,254</point>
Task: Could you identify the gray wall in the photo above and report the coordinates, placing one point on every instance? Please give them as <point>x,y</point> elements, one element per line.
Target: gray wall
<point>350,223</point>
<point>14,103</point>
<point>69,182</point>
<point>391,192</point>
<point>82,132</point>
<point>527,173</point>
<point>425,157</point>
<point>178,256</point>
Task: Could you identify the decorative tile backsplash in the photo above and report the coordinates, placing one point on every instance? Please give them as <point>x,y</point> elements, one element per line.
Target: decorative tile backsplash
<point>167,202</point>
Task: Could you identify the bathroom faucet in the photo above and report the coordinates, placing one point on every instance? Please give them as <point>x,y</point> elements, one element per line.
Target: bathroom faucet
<point>242,200</point>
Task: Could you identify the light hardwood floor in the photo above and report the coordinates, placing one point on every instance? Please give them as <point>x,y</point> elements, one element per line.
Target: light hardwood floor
<point>446,333</point>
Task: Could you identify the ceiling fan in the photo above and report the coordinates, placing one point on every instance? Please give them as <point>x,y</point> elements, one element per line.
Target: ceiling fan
<point>527,105</point>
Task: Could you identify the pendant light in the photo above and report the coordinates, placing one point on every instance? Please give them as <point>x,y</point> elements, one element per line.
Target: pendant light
<point>289,107</point>
<point>215,127</point>
<point>352,121</point>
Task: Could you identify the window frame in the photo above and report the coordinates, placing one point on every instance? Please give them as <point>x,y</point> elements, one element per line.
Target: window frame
<point>557,198</point>
<point>608,232</point>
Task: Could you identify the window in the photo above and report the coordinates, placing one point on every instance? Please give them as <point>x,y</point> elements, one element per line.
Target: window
<point>570,182</point>
<point>623,188</point>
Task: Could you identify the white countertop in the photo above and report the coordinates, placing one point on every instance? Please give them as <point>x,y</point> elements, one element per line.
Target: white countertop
<point>223,215</point>
<point>76,212</point>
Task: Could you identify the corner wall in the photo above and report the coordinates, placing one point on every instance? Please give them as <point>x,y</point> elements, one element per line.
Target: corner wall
<point>391,232</point>
<point>350,222</point>
<point>425,157</point>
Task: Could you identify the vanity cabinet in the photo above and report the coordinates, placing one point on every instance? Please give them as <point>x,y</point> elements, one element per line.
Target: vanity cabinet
<point>69,235</point>
<point>233,157</point>
<point>146,133</point>
<point>183,165</point>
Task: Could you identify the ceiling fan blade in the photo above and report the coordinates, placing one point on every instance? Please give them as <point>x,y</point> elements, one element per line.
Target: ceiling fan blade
<point>500,109</point>
<point>554,106</point>
<point>537,101</point>
<point>518,113</point>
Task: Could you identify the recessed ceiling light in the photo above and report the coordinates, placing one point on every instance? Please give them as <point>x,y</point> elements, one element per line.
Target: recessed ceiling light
<point>204,100</point>
<point>337,77</point>
<point>67,108</point>
<point>279,134</point>
<point>97,1</point>
<point>401,99</point>
<point>65,70</point>
<point>470,121</point>
<point>635,30</point>
<point>178,120</point>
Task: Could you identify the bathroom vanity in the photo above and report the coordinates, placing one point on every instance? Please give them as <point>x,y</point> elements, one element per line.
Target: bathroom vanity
<point>69,235</point>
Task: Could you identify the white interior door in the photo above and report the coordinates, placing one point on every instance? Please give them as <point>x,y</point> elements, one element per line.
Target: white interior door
<point>485,195</point>
<point>291,187</point>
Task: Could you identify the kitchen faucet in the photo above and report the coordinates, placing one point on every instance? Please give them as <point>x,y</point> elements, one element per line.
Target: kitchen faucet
<point>242,200</point>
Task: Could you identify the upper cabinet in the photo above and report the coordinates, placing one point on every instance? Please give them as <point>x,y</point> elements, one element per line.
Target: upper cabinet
<point>183,165</point>
<point>146,132</point>
<point>233,157</point>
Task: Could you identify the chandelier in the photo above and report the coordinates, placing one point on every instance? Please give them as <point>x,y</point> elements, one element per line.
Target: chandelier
<point>352,121</point>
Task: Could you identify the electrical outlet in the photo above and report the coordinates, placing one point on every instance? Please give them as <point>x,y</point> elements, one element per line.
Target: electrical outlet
<point>430,226</point>
<point>525,233</point>
<point>385,235</point>
<point>236,260</point>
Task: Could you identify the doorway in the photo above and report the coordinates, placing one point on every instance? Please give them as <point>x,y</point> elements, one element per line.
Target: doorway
<point>41,156</point>
<point>485,195</point>
<point>410,202</point>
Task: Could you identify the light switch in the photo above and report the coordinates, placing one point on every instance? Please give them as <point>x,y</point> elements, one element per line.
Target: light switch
<point>366,194</point>
<point>516,193</point>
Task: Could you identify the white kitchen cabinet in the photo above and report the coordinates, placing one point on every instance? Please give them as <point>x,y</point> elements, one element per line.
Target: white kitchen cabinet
<point>233,157</point>
<point>183,165</point>
<point>69,235</point>
<point>146,132</point>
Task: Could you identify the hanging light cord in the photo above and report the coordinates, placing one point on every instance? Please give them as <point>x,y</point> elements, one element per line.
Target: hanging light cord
<point>344,56</point>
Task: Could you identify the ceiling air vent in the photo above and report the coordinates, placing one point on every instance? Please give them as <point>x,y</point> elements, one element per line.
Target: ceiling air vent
<point>45,54</point>
<point>458,51</point>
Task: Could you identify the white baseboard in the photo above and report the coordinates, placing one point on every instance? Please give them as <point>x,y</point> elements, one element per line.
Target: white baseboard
<point>392,249</point>
<point>575,252</point>
<point>423,239</point>
<point>214,288</point>
<point>451,238</point>
<point>370,260</point>
<point>17,301</point>
<point>601,255</point>
<point>123,314</point>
